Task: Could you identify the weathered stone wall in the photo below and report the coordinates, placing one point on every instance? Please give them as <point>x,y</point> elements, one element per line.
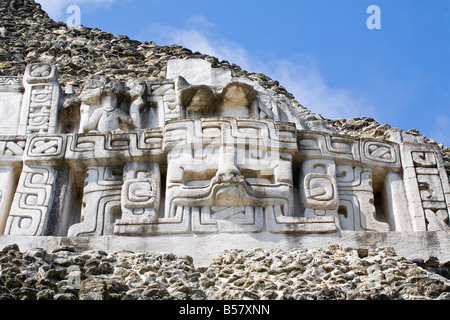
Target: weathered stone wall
<point>336,273</point>
<point>80,52</point>
<point>34,50</point>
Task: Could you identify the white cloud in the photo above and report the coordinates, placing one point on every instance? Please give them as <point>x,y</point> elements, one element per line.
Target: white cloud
<point>299,75</point>
<point>304,81</point>
<point>204,41</point>
<point>440,130</point>
<point>57,9</point>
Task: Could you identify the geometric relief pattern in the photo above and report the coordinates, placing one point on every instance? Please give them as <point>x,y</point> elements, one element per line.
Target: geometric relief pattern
<point>356,208</point>
<point>42,97</point>
<point>166,157</point>
<point>431,191</point>
<point>101,201</point>
<point>103,148</point>
<point>379,151</point>
<point>140,197</point>
<point>12,146</point>
<point>319,192</point>
<point>32,201</point>
<point>46,146</point>
<point>367,151</point>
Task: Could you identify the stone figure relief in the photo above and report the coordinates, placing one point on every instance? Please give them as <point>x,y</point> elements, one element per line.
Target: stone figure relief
<point>226,187</point>
<point>108,117</point>
<point>168,157</point>
<point>137,89</point>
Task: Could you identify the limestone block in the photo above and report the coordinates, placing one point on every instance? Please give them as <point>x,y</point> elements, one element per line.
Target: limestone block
<point>11,92</point>
<point>198,72</point>
<point>8,183</point>
<point>113,147</point>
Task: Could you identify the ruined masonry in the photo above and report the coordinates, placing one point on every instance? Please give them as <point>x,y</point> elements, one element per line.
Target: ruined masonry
<point>201,162</point>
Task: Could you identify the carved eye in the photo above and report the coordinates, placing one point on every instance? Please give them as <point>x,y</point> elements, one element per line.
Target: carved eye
<point>263,177</point>
<point>199,178</point>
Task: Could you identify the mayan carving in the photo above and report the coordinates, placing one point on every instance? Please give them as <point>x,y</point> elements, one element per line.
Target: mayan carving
<point>140,192</point>
<point>41,100</point>
<point>101,201</point>
<point>427,185</point>
<point>222,169</point>
<point>32,202</point>
<point>140,197</point>
<point>180,157</point>
<point>137,90</point>
<point>164,95</point>
<point>131,170</point>
<point>358,211</point>
<point>100,107</point>
<point>317,203</point>
<point>319,191</point>
<point>12,146</point>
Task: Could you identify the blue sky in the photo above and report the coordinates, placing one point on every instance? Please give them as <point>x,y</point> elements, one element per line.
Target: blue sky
<point>319,50</point>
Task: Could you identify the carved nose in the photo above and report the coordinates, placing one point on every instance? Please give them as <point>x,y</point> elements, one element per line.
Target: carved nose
<point>229,173</point>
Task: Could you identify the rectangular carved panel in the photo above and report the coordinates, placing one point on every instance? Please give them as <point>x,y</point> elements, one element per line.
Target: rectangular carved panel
<point>32,202</point>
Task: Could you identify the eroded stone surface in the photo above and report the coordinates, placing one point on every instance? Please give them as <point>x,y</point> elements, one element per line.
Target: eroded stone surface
<point>111,137</point>
<point>336,273</point>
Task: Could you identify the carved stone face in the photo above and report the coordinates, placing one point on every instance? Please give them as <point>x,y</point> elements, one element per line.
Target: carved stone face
<point>227,184</point>
<point>113,87</point>
<point>136,88</point>
<point>224,193</point>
